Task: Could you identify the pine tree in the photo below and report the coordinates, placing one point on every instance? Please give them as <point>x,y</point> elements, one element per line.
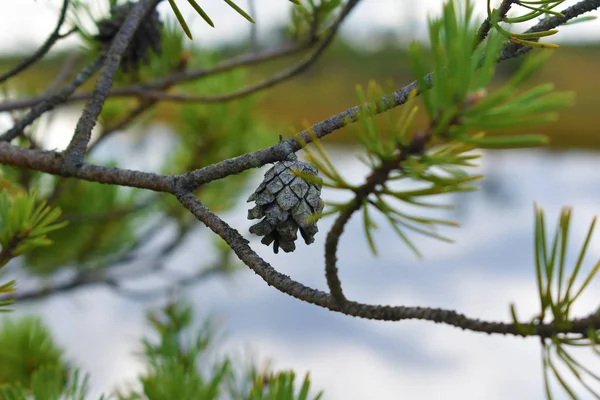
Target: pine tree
<point>65,211</point>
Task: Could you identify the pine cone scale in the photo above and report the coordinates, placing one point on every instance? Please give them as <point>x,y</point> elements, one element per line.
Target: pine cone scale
<point>286,202</point>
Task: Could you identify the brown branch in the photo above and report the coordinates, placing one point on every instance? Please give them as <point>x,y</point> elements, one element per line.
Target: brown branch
<point>83,131</point>
<point>285,284</point>
<point>43,49</point>
<point>216,268</point>
<point>225,66</point>
<point>63,74</point>
<point>279,151</point>
<point>52,162</point>
<point>142,107</point>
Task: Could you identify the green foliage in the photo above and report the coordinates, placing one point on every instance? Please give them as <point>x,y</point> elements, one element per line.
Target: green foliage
<point>172,54</point>
<point>458,104</point>
<point>459,109</point>
<point>280,386</point>
<point>48,383</point>
<point>179,365</point>
<point>558,291</point>
<point>26,345</point>
<point>102,225</point>
<point>538,8</point>
<point>173,362</point>
<point>24,226</point>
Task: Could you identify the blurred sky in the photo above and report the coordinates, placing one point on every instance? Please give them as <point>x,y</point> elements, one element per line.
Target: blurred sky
<point>25,23</point>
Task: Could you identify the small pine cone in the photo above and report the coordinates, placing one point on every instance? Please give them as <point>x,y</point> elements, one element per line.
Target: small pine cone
<point>284,201</point>
<point>147,36</point>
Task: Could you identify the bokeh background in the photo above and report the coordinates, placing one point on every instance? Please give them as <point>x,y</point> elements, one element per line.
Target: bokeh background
<point>490,266</point>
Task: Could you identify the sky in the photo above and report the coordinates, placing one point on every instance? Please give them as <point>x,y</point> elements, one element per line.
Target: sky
<point>25,23</point>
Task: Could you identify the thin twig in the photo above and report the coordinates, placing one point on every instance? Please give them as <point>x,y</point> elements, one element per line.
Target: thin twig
<point>333,236</point>
<point>65,71</point>
<point>83,131</point>
<point>271,81</point>
<point>485,27</point>
<point>104,276</point>
<point>180,77</point>
<point>43,49</point>
<point>143,91</point>
<point>216,268</point>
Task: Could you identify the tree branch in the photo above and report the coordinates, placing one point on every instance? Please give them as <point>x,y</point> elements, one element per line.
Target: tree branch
<point>180,77</point>
<point>512,50</point>
<point>83,131</point>
<point>379,176</point>
<point>53,163</point>
<point>485,27</point>
<point>43,49</point>
<point>285,284</point>
<point>279,151</point>
<point>270,82</point>
<point>154,92</point>
<point>181,186</point>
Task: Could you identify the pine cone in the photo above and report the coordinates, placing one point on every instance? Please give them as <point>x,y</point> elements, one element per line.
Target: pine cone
<point>286,201</point>
<point>147,36</point>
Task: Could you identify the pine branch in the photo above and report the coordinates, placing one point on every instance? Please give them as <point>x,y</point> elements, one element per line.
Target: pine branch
<point>512,50</point>
<point>285,284</point>
<point>183,185</point>
<point>485,27</point>
<point>83,131</point>
<point>154,91</point>
<point>378,177</point>
<point>197,178</point>
<point>52,162</point>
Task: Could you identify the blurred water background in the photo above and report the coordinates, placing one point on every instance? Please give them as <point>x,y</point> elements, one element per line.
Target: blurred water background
<point>490,266</point>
